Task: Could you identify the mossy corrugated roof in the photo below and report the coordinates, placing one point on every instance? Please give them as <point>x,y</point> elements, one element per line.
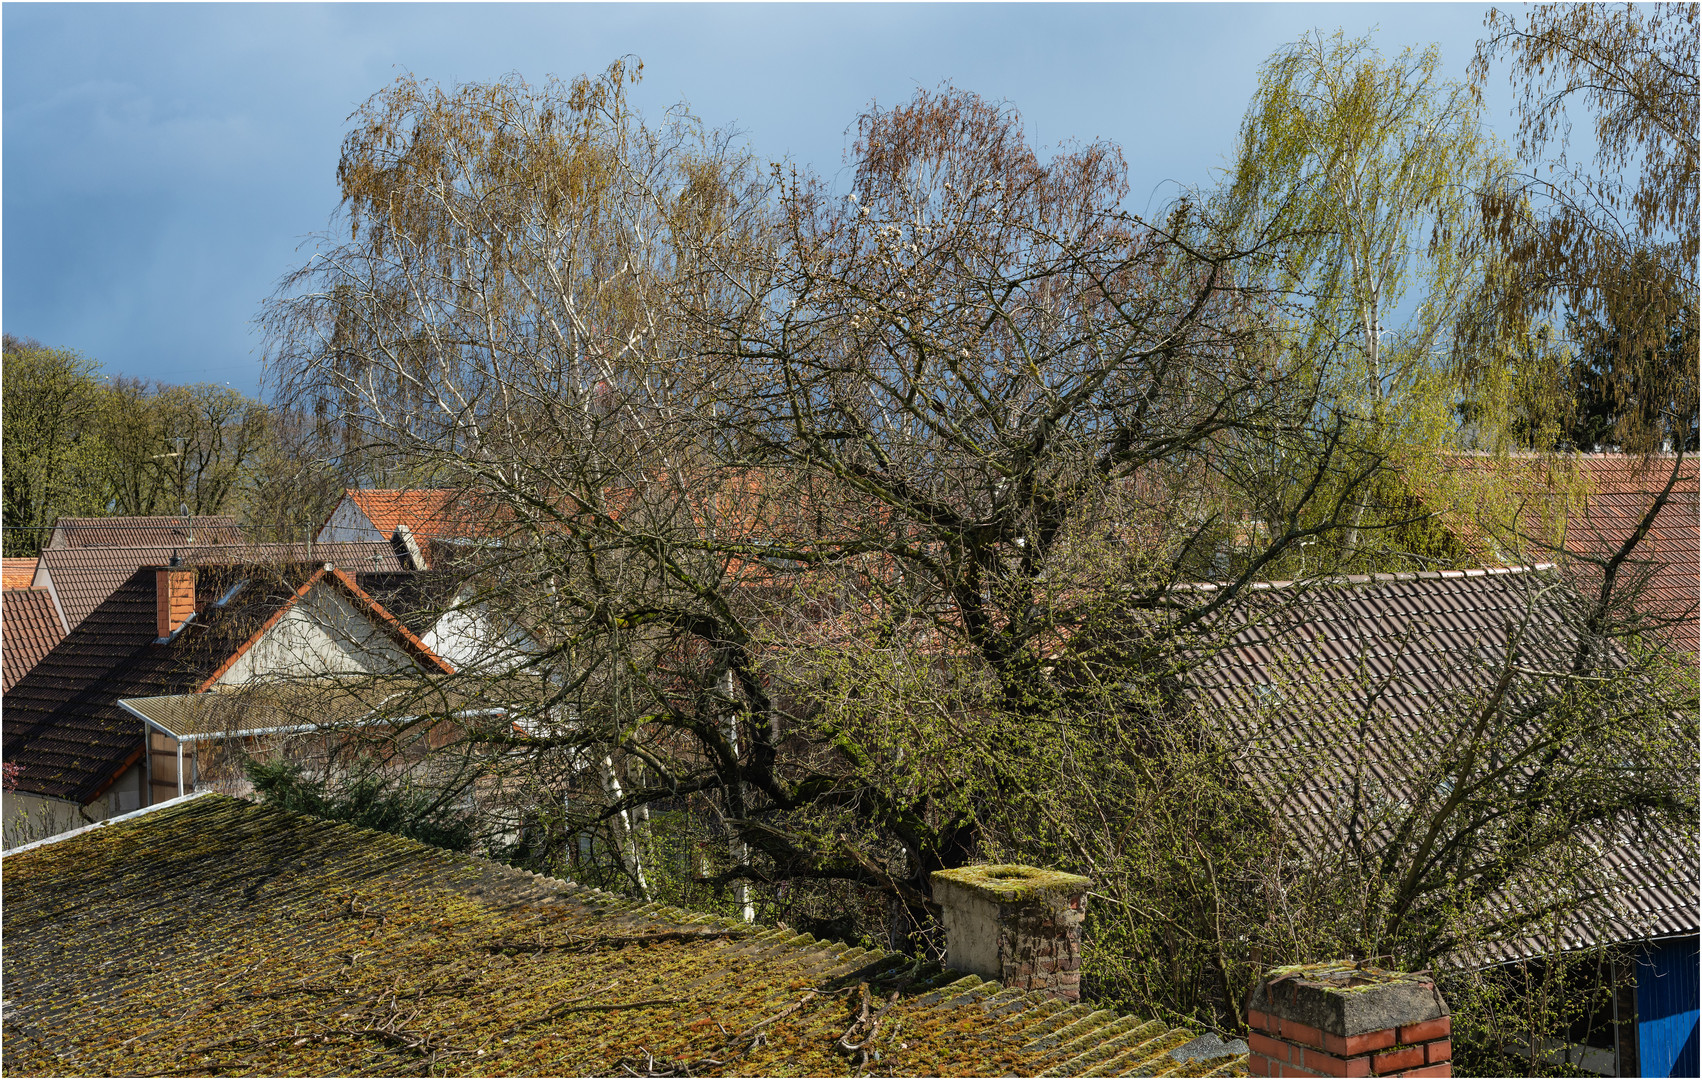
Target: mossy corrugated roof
<point>217,936</point>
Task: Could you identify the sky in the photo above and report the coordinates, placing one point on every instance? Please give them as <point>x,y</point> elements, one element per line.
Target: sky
<point>163,166</point>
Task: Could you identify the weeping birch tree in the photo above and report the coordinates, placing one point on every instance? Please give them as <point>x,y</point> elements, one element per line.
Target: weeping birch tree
<point>1371,168</point>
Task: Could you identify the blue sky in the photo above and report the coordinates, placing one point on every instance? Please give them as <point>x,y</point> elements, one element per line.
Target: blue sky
<point>164,165</point>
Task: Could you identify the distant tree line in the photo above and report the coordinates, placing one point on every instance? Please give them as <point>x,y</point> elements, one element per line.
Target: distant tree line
<point>80,442</point>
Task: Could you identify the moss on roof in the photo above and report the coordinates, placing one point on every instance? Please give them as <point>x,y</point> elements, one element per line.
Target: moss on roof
<point>217,936</point>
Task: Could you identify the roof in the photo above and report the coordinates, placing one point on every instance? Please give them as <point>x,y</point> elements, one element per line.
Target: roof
<point>298,705</point>
<point>417,597</point>
<point>160,529</point>
<point>328,950</point>
<point>1349,685</point>
<point>31,628</point>
<point>62,721</point>
<point>1590,503</point>
<point>17,573</point>
<point>426,512</point>
<point>82,577</point>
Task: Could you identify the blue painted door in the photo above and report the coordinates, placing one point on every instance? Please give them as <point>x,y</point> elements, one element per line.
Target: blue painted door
<point>1668,976</point>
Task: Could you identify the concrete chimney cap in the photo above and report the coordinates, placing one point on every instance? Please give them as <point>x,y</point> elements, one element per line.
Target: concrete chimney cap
<point>1011,883</point>
<point>1348,998</point>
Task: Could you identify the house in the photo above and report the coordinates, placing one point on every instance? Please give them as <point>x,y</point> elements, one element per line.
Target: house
<point>171,531</point>
<point>17,573</point>
<point>169,632</point>
<point>209,934</point>
<point>1337,698</point>
<point>31,628</point>
<point>1519,509</point>
<point>373,514</point>
<point>81,578</point>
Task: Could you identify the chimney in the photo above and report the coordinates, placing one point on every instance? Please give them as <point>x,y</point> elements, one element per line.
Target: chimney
<point>1347,1019</point>
<point>174,597</point>
<point>1018,925</point>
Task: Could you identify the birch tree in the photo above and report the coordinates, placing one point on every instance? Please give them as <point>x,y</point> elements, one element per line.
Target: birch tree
<point>1371,169</point>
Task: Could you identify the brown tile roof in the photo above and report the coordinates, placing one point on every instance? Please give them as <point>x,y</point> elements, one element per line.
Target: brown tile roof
<point>328,950</point>
<point>83,577</point>
<point>1353,681</point>
<point>1590,504</point>
<point>160,529</point>
<point>31,628</point>
<point>17,573</point>
<point>62,722</point>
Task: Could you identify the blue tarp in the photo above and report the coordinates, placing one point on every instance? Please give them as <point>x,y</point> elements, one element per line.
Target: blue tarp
<point>1668,977</point>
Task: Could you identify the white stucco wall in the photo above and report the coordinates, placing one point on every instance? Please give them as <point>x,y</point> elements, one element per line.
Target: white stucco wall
<point>466,637</point>
<point>320,634</point>
<point>25,817</point>
<point>348,523</point>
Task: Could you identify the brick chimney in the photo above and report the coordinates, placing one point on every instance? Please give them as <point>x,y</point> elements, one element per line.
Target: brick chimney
<point>174,597</point>
<point>1347,1019</point>
<point>1019,925</point>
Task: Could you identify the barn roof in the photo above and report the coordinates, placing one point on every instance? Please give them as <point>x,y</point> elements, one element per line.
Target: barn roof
<point>216,935</point>
<point>1337,694</point>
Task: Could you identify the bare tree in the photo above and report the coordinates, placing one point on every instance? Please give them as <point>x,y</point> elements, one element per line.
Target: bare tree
<point>739,448</point>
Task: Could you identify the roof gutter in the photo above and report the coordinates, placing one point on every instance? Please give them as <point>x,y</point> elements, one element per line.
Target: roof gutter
<point>292,729</point>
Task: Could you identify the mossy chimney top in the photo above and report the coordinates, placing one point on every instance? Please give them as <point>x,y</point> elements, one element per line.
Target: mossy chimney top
<point>1011,883</point>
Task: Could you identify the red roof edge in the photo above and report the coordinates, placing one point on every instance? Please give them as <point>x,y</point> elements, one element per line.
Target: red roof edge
<point>254,639</point>
<point>408,638</point>
<point>135,756</point>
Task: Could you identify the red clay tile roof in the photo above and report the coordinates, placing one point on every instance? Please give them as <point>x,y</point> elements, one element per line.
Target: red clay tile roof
<point>83,577</point>
<point>61,721</point>
<point>1351,683</point>
<point>1595,501</point>
<point>425,511</point>
<point>31,628</point>
<point>1621,490</point>
<point>329,950</point>
<point>17,573</point>
<point>160,529</point>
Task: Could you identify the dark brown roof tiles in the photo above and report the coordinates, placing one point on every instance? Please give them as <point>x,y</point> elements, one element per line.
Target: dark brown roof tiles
<point>85,576</point>
<point>131,531</point>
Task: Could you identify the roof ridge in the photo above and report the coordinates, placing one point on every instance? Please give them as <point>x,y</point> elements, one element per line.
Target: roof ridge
<point>103,823</point>
<point>1374,578</point>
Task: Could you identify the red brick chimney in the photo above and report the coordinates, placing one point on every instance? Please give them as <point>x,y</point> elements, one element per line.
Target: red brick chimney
<point>174,597</point>
<point>1347,1019</point>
